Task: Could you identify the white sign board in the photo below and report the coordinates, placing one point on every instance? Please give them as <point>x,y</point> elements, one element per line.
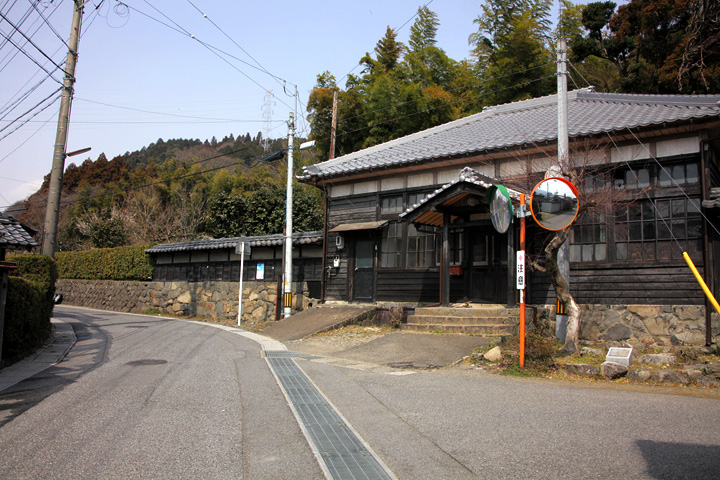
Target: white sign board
<point>520,269</point>
<point>260,272</point>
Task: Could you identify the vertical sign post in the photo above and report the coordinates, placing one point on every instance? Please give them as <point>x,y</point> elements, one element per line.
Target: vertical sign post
<point>242,268</point>
<point>521,278</point>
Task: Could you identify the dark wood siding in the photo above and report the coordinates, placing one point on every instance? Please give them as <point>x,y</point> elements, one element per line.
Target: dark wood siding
<point>361,208</point>
<point>617,285</point>
<point>420,286</point>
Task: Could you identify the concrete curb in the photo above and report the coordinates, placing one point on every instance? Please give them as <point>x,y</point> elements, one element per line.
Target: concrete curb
<point>63,339</point>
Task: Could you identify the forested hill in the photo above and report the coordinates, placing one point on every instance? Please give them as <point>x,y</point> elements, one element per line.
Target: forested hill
<point>175,190</point>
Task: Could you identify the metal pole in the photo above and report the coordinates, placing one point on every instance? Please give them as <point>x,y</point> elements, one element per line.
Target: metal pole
<point>242,269</point>
<point>521,279</point>
<point>56,175</point>
<point>287,290</point>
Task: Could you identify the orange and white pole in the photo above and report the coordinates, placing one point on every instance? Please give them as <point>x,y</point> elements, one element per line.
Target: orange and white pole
<point>521,279</point>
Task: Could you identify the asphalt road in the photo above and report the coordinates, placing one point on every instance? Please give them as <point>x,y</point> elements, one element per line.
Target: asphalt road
<point>204,404</point>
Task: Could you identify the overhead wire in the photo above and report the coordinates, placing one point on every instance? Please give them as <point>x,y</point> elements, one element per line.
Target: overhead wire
<point>29,40</point>
<point>53,94</point>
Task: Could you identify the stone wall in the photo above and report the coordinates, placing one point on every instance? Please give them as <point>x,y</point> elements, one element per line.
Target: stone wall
<point>217,300</point>
<point>661,325</point>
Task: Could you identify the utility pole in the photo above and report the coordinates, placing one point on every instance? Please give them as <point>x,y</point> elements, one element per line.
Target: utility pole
<point>563,258</point>
<point>56,175</point>
<point>287,290</point>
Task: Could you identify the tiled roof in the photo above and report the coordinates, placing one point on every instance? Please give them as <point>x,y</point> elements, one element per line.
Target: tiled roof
<point>299,238</point>
<point>523,123</point>
<point>13,234</point>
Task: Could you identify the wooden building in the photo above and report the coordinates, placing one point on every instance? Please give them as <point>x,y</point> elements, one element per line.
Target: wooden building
<point>389,207</point>
<point>218,260</point>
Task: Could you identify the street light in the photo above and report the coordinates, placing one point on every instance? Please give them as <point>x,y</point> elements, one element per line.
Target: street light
<point>287,274</point>
<point>53,202</point>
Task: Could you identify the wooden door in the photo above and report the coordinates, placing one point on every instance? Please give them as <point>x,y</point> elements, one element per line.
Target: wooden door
<point>364,273</point>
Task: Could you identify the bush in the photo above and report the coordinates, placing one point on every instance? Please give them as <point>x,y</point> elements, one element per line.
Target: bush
<point>121,263</point>
<point>29,305</point>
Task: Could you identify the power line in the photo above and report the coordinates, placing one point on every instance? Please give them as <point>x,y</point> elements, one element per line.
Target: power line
<point>34,5</point>
<point>31,43</point>
<point>33,116</point>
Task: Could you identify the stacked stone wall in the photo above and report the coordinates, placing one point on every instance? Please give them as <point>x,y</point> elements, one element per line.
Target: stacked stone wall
<point>661,325</point>
<point>216,300</point>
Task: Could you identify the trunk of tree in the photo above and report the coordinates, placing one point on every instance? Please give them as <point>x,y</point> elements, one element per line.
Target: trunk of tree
<point>562,290</point>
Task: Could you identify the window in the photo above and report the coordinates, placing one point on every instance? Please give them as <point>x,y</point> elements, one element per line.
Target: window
<point>391,247</point>
<point>416,198</point>
<point>421,251</point>
<point>634,178</point>
<point>456,247</point>
<point>391,205</point>
<point>682,174</point>
<point>588,239</point>
<point>658,231</point>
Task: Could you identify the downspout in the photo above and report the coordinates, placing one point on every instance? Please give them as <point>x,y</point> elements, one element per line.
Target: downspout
<point>706,241</point>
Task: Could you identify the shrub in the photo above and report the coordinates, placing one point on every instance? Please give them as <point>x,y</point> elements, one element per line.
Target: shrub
<point>121,263</point>
<point>29,306</point>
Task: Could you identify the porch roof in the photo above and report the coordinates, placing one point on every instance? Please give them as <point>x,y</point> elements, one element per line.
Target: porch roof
<point>454,195</point>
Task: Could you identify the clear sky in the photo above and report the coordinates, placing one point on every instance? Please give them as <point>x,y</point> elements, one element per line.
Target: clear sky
<point>139,80</point>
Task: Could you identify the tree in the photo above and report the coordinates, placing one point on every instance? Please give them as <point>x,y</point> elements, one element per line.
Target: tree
<point>424,30</point>
<point>656,46</point>
<point>388,51</point>
<point>511,48</point>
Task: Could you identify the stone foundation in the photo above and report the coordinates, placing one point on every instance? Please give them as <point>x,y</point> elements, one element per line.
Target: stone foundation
<point>217,300</point>
<point>661,325</point>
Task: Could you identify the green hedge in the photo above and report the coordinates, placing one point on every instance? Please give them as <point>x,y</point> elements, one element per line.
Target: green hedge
<point>29,305</point>
<point>121,263</point>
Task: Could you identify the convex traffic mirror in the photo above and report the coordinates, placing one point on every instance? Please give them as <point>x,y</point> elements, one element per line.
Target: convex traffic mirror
<point>554,203</point>
<point>501,209</point>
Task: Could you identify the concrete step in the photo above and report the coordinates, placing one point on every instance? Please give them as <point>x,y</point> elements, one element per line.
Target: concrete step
<point>486,330</point>
<point>463,320</point>
<point>472,311</point>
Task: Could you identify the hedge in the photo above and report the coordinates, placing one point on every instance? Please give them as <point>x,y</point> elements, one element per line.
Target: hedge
<point>29,305</point>
<point>121,263</point>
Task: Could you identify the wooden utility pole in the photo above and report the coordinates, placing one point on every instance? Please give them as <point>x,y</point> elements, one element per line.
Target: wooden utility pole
<point>333,125</point>
<point>56,175</point>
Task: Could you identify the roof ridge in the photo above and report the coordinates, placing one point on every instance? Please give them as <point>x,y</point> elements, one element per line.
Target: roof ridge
<point>696,100</point>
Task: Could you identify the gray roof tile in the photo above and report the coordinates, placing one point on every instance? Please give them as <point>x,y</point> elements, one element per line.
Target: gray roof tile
<point>299,238</point>
<point>521,123</point>
<point>13,234</point>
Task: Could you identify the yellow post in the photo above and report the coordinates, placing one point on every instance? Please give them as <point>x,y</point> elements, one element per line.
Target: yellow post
<point>701,282</point>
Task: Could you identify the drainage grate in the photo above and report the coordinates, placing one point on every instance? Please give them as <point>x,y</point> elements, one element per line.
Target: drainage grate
<point>285,354</point>
<point>344,454</point>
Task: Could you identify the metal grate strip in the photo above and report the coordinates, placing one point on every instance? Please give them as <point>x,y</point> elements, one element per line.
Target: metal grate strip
<point>342,451</point>
<point>286,354</point>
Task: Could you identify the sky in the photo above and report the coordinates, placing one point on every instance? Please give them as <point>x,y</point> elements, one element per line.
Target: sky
<point>150,69</point>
